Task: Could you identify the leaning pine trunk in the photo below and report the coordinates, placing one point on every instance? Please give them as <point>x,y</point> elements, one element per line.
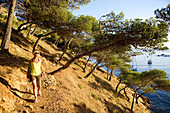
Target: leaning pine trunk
<point>92,70</point>
<point>95,67</point>
<point>118,85</point>
<point>19,28</point>
<point>36,43</point>
<point>66,47</point>
<point>29,31</point>
<point>64,51</point>
<point>121,90</point>
<point>134,96</point>
<point>126,94</point>
<point>56,41</point>
<point>8,29</point>
<point>39,38</point>
<point>140,95</point>
<point>84,70</point>
<point>107,73</point>
<point>32,33</point>
<point>111,74</point>
<point>79,56</point>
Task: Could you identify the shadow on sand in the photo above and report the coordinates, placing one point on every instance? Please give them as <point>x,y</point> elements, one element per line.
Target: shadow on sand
<point>14,90</point>
<point>112,108</point>
<point>82,108</point>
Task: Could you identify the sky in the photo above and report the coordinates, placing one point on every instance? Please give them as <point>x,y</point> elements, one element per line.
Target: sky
<point>143,9</point>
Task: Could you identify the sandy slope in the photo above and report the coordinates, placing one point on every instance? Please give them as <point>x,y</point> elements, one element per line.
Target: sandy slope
<point>65,92</point>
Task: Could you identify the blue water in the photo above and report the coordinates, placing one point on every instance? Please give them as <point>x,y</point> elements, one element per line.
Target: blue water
<point>159,62</point>
<point>160,101</point>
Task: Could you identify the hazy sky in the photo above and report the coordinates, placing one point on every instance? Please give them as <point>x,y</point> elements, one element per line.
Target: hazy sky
<point>142,9</point>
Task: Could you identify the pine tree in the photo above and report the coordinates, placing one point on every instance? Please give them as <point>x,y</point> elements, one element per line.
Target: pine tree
<point>117,33</point>
<point>8,29</point>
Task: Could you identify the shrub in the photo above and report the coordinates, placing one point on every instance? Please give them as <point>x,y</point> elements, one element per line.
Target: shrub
<point>5,17</point>
<point>1,15</point>
<point>80,86</point>
<point>95,96</point>
<point>116,111</point>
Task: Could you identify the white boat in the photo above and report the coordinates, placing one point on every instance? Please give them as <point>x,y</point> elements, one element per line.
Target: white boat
<point>149,61</point>
<point>134,65</point>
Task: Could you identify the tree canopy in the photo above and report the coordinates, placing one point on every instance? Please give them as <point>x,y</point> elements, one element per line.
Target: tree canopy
<point>163,14</point>
<point>120,35</point>
<point>147,81</point>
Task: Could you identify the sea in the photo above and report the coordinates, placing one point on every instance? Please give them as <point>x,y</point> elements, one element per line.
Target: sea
<point>160,101</point>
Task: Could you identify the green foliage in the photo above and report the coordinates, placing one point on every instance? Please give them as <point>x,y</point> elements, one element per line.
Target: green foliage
<point>5,17</point>
<point>95,96</point>
<point>162,84</point>
<point>1,15</point>
<point>117,61</point>
<point>86,26</point>
<point>38,31</point>
<point>74,4</point>
<point>49,14</point>
<point>163,14</point>
<point>49,39</point>
<point>142,34</point>
<point>15,22</point>
<point>31,39</point>
<point>116,111</point>
<point>55,36</point>
<point>83,23</point>
<point>80,86</point>
<point>147,81</point>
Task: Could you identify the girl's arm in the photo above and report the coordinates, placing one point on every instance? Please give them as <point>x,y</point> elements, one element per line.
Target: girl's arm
<point>42,69</point>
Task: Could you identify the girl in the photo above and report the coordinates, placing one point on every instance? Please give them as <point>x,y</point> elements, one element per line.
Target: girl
<point>34,73</point>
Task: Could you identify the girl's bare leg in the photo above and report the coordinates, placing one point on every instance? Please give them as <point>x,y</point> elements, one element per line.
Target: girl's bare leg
<point>34,90</point>
<point>39,87</point>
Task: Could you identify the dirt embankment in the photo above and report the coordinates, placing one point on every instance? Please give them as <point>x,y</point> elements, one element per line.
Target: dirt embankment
<point>67,91</point>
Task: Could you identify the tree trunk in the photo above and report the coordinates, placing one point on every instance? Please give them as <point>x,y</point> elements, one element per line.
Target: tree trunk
<point>107,73</point>
<point>126,94</point>
<point>36,43</point>
<point>19,28</point>
<point>66,47</point>
<point>56,41</point>
<point>134,96</point>
<point>111,74</point>
<point>140,95</point>
<point>92,70</point>
<point>64,51</point>
<point>39,38</point>
<point>29,30</point>
<point>118,85</point>
<point>121,90</point>
<point>79,56</point>
<point>32,33</point>
<point>84,70</point>
<point>8,28</point>
<point>95,67</point>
